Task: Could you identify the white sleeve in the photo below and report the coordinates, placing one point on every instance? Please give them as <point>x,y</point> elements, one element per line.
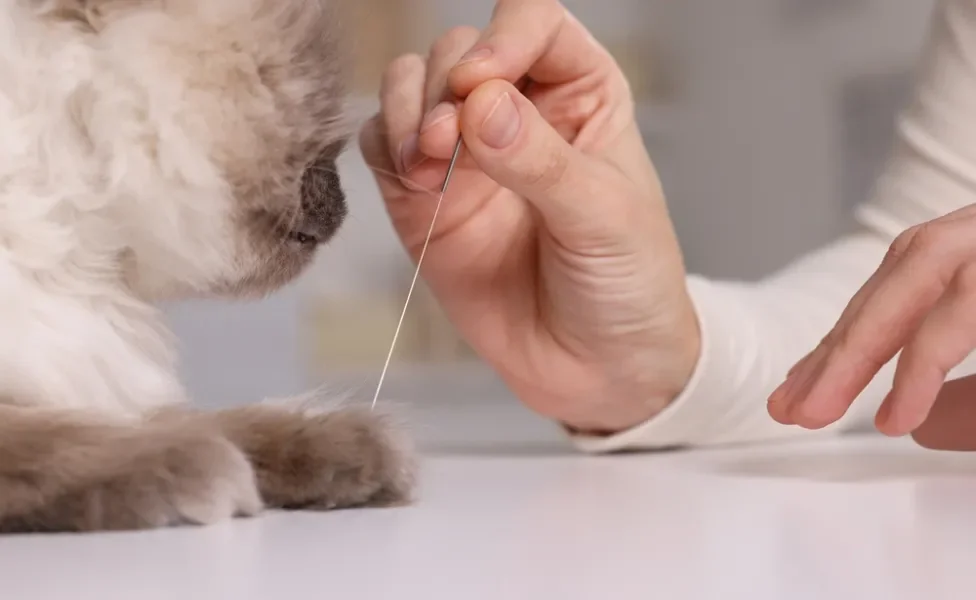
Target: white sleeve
<point>753,332</point>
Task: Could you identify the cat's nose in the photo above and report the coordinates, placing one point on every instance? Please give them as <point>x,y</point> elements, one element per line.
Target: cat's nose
<point>323,203</point>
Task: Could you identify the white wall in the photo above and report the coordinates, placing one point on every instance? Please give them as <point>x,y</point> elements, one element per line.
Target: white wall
<point>761,163</point>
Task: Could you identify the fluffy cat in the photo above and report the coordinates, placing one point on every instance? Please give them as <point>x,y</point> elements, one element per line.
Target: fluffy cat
<point>150,150</point>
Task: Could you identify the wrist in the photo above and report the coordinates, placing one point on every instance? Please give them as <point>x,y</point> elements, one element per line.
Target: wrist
<point>621,403</point>
<point>611,418</point>
<point>635,399</point>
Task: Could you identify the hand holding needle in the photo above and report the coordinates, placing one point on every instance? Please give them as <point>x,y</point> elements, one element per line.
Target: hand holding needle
<point>521,85</point>
<point>420,262</point>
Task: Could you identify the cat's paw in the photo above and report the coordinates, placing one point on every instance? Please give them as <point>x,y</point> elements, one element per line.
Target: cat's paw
<point>169,478</point>
<point>324,459</point>
<point>196,479</point>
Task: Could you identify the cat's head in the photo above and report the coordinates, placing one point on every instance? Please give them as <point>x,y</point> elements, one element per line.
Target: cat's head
<point>220,122</point>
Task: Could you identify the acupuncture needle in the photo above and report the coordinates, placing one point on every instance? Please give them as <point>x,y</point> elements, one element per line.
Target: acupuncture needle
<point>420,262</point>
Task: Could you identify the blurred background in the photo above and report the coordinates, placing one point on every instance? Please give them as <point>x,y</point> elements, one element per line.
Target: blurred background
<point>767,119</point>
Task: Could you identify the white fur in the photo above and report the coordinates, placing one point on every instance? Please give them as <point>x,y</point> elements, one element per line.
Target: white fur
<point>108,195</point>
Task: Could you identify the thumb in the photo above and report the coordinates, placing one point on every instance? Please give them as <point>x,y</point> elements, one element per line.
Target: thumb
<point>515,146</point>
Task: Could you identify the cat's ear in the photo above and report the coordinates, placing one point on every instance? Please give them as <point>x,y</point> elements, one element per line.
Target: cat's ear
<point>94,14</point>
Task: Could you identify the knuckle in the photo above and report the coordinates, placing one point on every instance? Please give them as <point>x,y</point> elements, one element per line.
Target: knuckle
<point>402,67</point>
<point>927,239</point>
<point>544,11</point>
<point>548,5</point>
<point>829,340</point>
<point>552,11</point>
<point>549,172</point>
<point>832,340</point>
<point>853,352</point>
<point>456,39</point>
<point>845,345</point>
<point>902,243</point>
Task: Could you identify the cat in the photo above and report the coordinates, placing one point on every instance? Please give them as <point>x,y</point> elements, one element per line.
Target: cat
<point>153,150</point>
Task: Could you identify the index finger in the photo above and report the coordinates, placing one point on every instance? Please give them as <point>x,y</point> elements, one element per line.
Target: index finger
<point>887,318</point>
<point>538,38</point>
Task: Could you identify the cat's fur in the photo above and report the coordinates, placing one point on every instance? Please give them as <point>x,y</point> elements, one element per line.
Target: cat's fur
<point>149,150</point>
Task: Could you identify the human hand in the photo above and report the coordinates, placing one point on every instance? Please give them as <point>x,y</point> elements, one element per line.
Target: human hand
<point>553,253</point>
<point>922,302</point>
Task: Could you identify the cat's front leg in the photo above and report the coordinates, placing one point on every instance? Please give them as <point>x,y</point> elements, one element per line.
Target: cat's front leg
<point>73,471</point>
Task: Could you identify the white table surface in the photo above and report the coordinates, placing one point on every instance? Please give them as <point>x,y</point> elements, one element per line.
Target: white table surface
<point>508,512</point>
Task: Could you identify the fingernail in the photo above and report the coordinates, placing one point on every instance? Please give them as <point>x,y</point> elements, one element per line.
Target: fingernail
<point>502,124</point>
<point>410,155</point>
<point>475,54</point>
<point>438,114</point>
